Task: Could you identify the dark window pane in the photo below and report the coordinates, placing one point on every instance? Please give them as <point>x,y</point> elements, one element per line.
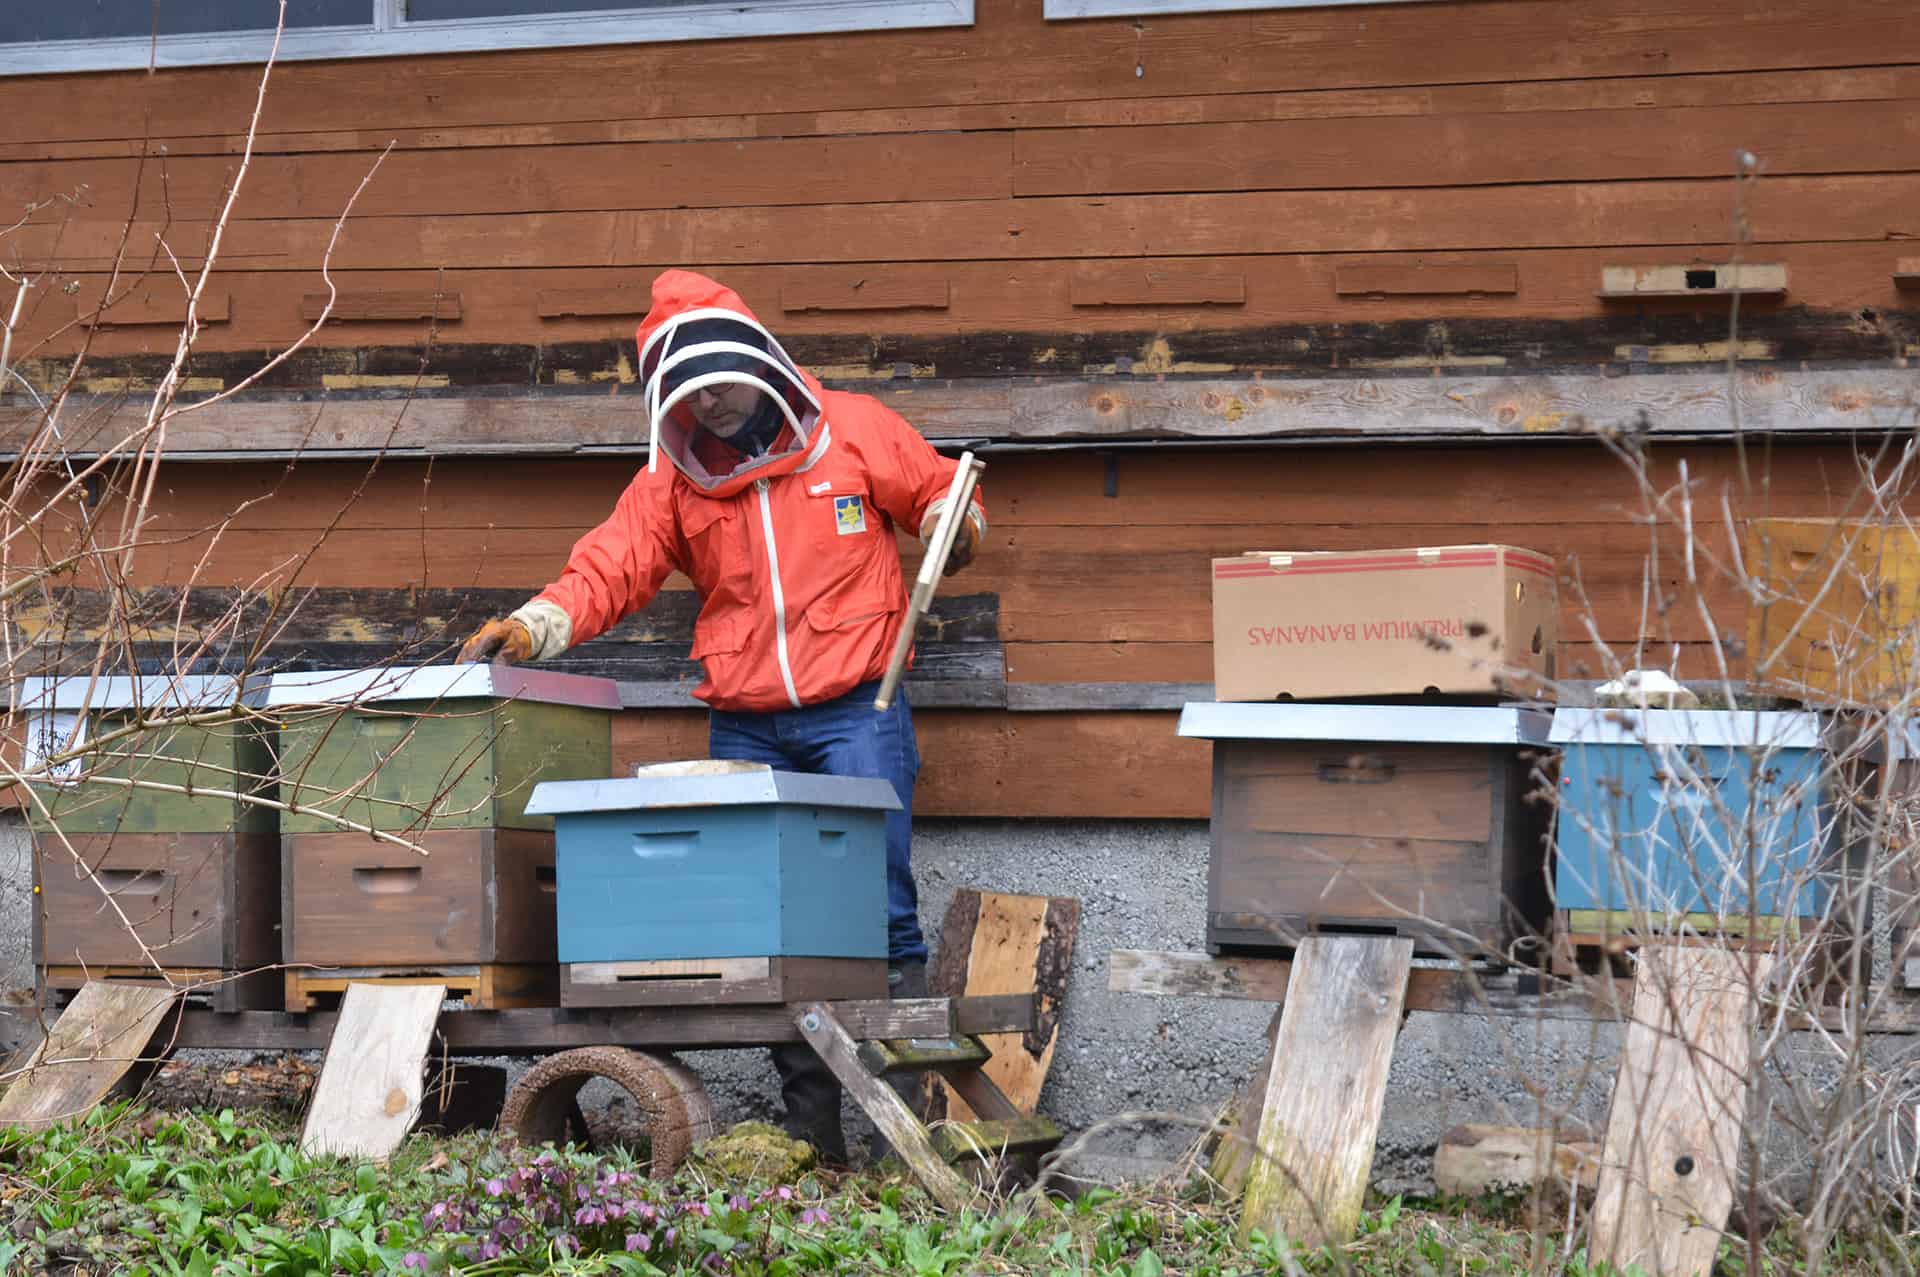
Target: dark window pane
<point>22,21</point>
<point>436,10</point>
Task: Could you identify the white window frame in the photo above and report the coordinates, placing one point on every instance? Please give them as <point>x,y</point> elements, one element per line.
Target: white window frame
<point>391,34</point>
<point>1158,8</point>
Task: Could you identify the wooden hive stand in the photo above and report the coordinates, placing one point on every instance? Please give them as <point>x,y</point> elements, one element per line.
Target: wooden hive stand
<point>481,986</point>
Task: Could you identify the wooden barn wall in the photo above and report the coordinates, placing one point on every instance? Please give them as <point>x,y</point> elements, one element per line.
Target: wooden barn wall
<point>1288,190</point>
<point>1093,589</point>
<point>1293,221</point>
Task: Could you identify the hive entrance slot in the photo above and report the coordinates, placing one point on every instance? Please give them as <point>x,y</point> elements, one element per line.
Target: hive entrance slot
<point>1703,278</point>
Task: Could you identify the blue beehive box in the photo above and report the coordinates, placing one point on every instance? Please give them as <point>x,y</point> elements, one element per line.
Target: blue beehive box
<point>731,865</point>
<point>1706,816</point>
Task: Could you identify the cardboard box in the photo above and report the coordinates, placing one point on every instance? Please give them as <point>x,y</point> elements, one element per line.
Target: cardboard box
<point>1293,624</point>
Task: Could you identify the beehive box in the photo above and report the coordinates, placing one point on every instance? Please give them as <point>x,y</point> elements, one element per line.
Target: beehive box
<point>188,773</point>
<point>481,896</point>
<point>1714,818</point>
<point>732,883</point>
<point>191,879</point>
<point>438,747</point>
<point>1408,820</point>
<point>447,757</point>
<point>1841,624</point>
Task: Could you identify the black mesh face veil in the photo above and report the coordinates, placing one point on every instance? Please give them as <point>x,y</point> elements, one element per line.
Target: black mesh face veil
<point>703,348</point>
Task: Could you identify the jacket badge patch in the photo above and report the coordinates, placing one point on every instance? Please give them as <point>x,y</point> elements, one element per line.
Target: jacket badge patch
<point>849,515</point>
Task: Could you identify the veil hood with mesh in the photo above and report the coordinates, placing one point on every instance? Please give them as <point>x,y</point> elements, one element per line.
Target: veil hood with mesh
<point>700,334</point>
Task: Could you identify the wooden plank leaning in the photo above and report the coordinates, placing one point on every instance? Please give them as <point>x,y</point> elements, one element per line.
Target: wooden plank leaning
<point>1327,1088</point>
<point>1668,1166</point>
<point>830,1040</point>
<point>102,1034</point>
<point>959,498</point>
<point>371,1081</point>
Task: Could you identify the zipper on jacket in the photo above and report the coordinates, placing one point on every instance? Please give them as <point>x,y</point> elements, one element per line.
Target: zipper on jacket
<point>779,595</point>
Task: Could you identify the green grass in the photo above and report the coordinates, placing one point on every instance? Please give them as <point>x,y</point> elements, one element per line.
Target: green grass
<point>137,1192</point>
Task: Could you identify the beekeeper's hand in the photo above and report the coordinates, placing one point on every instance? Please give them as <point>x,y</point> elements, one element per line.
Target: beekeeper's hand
<point>962,552</point>
<point>502,642</point>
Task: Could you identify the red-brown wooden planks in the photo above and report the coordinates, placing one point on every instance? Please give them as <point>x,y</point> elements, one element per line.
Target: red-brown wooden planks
<point>782,171</point>
<point>1468,150</point>
<point>583,303</point>
<point>1837,84</point>
<point>1009,55</point>
<point>1781,210</point>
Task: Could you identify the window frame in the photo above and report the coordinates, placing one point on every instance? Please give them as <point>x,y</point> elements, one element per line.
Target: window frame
<point>1065,10</point>
<point>392,35</point>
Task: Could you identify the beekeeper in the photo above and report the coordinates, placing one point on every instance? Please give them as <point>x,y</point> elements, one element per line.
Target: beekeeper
<point>780,505</point>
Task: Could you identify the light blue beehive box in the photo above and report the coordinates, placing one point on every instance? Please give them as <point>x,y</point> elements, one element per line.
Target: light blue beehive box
<point>704,861</point>
<point>1669,813</point>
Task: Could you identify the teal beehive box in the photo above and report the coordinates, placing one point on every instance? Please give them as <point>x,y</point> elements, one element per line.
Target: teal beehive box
<point>1711,818</point>
<point>720,882</point>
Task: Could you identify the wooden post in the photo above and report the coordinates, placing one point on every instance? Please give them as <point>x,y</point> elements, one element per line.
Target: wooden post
<point>889,1112</point>
<point>1668,1166</point>
<point>1326,1087</point>
<point>371,1080</point>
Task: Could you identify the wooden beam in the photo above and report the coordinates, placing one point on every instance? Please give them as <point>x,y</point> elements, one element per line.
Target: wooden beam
<point>1326,1090</point>
<point>554,1029</point>
<point>830,1040</point>
<point>1749,279</point>
<point>1451,991</point>
<point>1906,274</point>
<point>558,421</point>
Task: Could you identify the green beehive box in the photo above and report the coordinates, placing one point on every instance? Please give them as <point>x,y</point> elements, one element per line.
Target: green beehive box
<point>465,743</point>
<point>225,757</point>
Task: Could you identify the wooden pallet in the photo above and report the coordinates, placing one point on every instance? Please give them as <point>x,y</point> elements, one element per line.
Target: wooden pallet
<point>482,987</point>
<point>720,981</point>
<point>201,986</point>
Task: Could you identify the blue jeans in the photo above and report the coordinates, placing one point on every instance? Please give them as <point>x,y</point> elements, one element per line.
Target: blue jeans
<point>845,737</point>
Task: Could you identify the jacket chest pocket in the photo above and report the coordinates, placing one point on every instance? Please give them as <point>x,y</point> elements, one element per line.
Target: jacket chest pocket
<point>837,514</point>
<point>719,545</point>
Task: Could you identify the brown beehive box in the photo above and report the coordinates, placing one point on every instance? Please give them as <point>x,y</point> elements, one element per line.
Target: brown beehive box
<point>1407,820</point>
<point>478,896</point>
<point>205,906</point>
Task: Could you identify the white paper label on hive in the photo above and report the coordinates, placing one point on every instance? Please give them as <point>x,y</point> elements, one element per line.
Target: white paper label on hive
<point>50,733</point>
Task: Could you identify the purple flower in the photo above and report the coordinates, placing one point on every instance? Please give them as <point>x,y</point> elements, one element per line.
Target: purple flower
<point>490,1249</point>
<point>671,1233</point>
<point>642,1210</point>
<point>698,1208</point>
<point>815,1215</point>
<point>589,1215</point>
<point>415,1259</point>
<point>437,1210</point>
<point>495,1187</point>
<point>784,1193</point>
<point>639,1241</point>
<point>736,1202</point>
